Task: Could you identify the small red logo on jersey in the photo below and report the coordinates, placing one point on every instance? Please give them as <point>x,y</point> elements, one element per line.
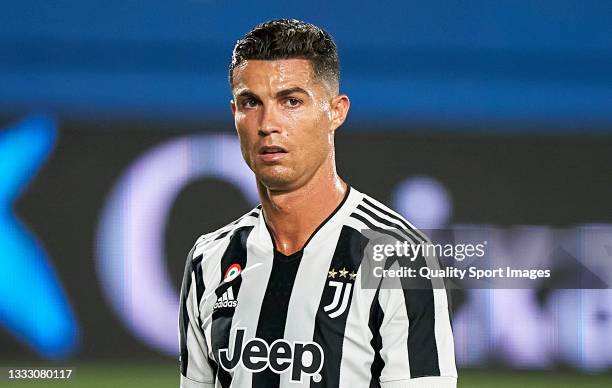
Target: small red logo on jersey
<point>232,272</point>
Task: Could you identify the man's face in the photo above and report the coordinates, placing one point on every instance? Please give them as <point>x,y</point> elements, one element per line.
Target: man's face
<point>285,118</point>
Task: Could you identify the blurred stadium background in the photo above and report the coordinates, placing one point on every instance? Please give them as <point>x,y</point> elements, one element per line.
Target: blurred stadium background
<point>117,150</point>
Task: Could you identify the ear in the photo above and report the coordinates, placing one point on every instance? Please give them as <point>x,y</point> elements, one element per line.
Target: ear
<point>339,108</point>
<point>233,107</point>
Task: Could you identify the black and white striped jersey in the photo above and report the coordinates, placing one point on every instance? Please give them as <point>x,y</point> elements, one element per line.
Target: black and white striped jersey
<point>253,317</point>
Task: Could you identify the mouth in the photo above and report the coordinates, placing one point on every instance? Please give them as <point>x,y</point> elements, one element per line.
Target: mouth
<point>272,153</point>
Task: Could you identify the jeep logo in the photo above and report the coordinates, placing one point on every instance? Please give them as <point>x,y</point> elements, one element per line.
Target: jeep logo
<point>304,358</point>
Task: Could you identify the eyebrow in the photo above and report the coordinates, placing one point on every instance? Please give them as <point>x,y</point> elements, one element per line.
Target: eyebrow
<point>287,92</point>
<point>280,94</point>
<point>248,93</point>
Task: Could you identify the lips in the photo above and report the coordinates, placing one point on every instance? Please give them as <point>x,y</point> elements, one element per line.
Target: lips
<point>272,149</point>
<point>272,153</point>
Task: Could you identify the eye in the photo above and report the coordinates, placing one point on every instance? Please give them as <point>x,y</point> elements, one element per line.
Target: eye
<point>249,103</point>
<point>293,102</point>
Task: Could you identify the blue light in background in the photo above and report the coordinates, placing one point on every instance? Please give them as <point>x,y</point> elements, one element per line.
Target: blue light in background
<point>33,306</point>
<point>484,66</point>
<point>424,201</point>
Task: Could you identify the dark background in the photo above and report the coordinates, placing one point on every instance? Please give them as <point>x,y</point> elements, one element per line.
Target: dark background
<point>497,180</point>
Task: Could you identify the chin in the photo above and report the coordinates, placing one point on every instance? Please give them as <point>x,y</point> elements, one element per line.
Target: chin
<point>276,178</point>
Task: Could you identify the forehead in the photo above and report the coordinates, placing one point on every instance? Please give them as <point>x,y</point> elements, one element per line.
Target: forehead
<point>278,74</point>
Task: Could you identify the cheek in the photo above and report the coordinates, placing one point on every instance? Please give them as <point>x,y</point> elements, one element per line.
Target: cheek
<point>324,109</point>
<point>241,121</point>
<point>320,130</point>
<point>244,146</point>
<point>244,127</point>
<point>314,139</point>
<point>246,142</point>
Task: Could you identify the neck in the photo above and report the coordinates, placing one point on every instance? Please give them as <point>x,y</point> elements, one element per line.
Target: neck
<point>293,216</point>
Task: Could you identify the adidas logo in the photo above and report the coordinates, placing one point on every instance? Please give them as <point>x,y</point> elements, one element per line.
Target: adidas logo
<point>226,300</point>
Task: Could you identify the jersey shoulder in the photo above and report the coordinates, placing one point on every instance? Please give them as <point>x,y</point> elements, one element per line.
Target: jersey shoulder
<point>375,215</point>
<point>205,244</point>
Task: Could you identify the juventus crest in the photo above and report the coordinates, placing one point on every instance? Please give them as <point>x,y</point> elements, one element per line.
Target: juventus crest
<point>342,291</point>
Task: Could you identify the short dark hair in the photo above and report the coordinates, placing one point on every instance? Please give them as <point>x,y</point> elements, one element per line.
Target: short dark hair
<point>287,39</point>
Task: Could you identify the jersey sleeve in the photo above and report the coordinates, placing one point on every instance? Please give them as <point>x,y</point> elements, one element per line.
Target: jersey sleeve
<point>196,371</point>
<point>416,348</point>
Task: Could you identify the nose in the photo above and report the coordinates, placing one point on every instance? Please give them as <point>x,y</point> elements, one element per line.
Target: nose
<point>269,121</point>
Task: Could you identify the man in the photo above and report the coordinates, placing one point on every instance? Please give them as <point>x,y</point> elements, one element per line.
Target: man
<point>275,299</point>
